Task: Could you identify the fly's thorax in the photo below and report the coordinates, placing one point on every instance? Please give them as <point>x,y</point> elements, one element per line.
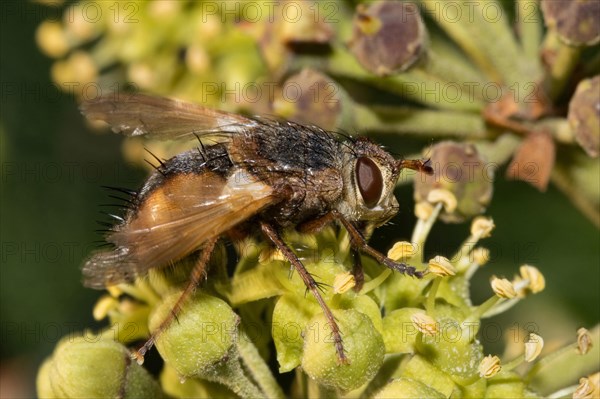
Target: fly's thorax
<point>370,174</point>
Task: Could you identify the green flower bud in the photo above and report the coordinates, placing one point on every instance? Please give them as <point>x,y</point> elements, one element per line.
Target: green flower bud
<point>453,350</point>
<point>420,369</point>
<point>363,345</point>
<point>460,169</point>
<point>584,116</point>
<point>202,336</point>
<point>290,316</point>
<point>407,388</point>
<point>388,36</point>
<point>399,332</point>
<point>42,382</point>
<point>506,384</point>
<point>94,367</point>
<point>310,97</point>
<point>171,383</point>
<point>51,39</point>
<point>575,21</point>
<point>309,28</point>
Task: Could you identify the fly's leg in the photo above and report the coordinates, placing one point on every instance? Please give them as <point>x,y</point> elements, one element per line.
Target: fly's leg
<point>311,285</point>
<point>357,270</point>
<point>359,242</point>
<point>317,225</point>
<point>198,273</point>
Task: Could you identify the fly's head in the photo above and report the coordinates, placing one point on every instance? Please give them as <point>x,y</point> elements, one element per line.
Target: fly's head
<point>370,175</point>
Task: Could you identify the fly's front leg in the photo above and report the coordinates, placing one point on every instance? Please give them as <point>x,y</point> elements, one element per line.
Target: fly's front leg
<point>317,225</point>
<point>359,242</point>
<point>311,285</point>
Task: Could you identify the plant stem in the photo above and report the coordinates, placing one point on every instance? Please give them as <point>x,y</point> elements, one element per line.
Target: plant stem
<point>417,84</point>
<point>428,123</point>
<point>564,366</point>
<point>259,371</point>
<point>422,229</point>
<point>568,186</point>
<point>530,27</point>
<point>499,151</point>
<point>563,59</point>
<point>439,11</point>
<point>430,301</point>
<point>481,29</point>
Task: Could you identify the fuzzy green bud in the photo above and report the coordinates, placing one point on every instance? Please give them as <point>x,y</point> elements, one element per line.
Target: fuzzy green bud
<point>290,316</point>
<point>575,21</point>
<point>584,115</point>
<point>506,384</point>
<point>407,388</point>
<point>388,36</point>
<point>399,331</point>
<point>94,367</point>
<point>460,169</point>
<point>202,336</point>
<point>312,98</point>
<point>363,346</point>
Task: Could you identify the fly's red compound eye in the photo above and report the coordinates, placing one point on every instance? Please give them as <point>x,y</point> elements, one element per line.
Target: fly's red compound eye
<point>370,181</point>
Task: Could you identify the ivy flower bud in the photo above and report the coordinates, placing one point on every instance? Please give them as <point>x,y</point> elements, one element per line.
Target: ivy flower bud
<point>584,341</point>
<point>388,36</point>
<point>407,388</point>
<point>503,288</point>
<point>489,366</point>
<point>425,323</point>
<point>78,25</point>
<point>533,347</point>
<point>441,266</point>
<point>363,346</point>
<point>91,366</point>
<point>401,250</point>
<point>460,169</point>
<point>575,21</point>
<point>202,336</point>
<point>583,115</point>
<point>318,100</point>
<point>51,39</point>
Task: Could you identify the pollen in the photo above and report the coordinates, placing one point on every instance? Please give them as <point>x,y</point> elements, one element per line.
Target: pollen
<point>482,227</point>
<point>503,288</point>
<point>343,282</point>
<point>402,250</point>
<point>533,347</point>
<point>423,210</point>
<point>489,366</point>
<point>425,323</point>
<point>441,266</point>
<point>536,279</point>
<point>584,341</point>
<point>481,255</point>
<point>444,196</point>
<point>103,306</point>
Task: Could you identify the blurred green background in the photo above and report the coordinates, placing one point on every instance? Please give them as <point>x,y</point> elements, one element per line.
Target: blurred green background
<point>52,170</point>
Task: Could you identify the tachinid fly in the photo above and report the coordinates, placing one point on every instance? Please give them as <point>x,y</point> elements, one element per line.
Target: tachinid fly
<point>249,176</point>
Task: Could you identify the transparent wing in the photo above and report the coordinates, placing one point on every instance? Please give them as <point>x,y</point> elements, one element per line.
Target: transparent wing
<point>174,221</point>
<point>161,118</point>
